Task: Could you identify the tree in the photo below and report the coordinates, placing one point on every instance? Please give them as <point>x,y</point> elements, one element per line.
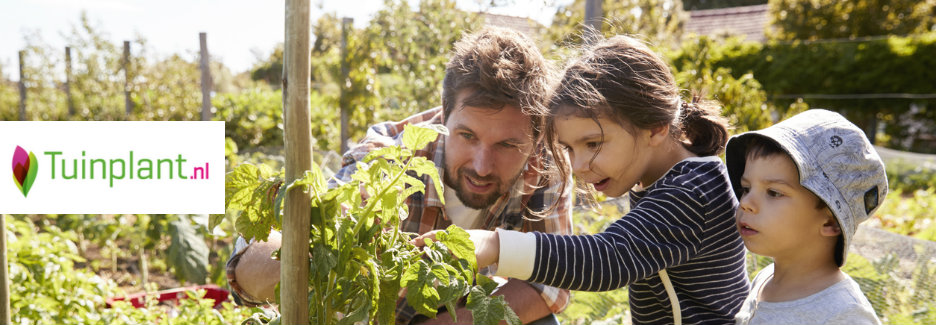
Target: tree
<point>815,19</point>
<point>411,49</point>
<point>97,72</point>
<point>658,21</point>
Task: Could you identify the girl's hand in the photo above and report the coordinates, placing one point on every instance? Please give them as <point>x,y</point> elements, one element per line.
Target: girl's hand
<point>486,242</point>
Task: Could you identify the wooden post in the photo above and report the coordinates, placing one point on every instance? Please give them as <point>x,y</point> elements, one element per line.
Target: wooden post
<point>593,19</point>
<point>68,78</point>
<point>205,78</point>
<point>294,270</point>
<point>346,24</point>
<point>22,86</point>
<point>4,277</point>
<point>126,65</point>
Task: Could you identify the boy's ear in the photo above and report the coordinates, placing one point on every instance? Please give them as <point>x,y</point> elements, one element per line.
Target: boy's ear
<point>831,227</point>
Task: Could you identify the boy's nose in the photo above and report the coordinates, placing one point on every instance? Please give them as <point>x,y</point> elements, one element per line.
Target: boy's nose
<point>746,205</point>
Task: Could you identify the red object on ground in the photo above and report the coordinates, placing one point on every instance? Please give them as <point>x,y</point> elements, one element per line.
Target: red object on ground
<point>173,296</point>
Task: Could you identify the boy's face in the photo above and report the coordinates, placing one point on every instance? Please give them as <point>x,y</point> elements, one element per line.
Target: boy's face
<point>777,216</point>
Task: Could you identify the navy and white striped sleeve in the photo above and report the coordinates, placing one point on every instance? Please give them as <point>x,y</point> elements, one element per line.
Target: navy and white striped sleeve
<point>663,229</point>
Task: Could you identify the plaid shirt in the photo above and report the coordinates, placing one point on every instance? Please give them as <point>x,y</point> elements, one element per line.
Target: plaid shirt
<point>426,212</point>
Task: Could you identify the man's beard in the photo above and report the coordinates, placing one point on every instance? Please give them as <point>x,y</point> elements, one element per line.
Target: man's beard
<point>474,200</point>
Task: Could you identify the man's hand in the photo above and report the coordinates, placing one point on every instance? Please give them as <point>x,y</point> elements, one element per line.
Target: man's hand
<point>256,272</point>
<point>486,242</point>
<point>520,296</point>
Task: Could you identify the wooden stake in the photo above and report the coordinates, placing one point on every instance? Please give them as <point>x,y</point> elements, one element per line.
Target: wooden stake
<point>4,277</point>
<point>22,86</point>
<point>205,78</point>
<point>68,78</point>
<point>126,65</point>
<point>346,24</point>
<point>593,19</point>
<point>294,270</point>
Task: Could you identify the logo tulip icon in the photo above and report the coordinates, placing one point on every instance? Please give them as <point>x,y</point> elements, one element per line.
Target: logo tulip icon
<point>24,169</point>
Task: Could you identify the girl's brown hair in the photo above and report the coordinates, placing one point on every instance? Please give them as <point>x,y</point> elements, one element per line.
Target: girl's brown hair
<point>622,79</point>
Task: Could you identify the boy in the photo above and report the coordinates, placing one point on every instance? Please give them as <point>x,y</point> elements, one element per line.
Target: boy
<point>804,184</point>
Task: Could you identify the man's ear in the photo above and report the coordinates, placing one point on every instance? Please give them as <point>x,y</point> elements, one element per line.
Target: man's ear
<point>830,227</point>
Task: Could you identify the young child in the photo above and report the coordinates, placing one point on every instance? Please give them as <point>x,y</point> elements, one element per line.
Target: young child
<point>804,185</point>
<point>616,120</point>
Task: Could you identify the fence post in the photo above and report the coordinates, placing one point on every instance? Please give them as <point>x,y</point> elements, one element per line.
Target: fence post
<point>22,86</point>
<point>126,65</point>
<point>346,24</point>
<point>294,270</point>
<point>205,78</point>
<point>4,277</point>
<point>593,19</point>
<point>68,80</point>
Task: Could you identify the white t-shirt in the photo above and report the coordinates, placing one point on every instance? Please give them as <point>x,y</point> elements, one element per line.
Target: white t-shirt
<point>457,212</point>
<point>841,303</point>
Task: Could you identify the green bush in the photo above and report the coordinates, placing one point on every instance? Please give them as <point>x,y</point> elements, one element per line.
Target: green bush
<point>880,66</point>
<point>46,288</point>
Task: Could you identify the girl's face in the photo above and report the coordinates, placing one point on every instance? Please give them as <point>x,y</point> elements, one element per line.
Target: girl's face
<point>614,169</point>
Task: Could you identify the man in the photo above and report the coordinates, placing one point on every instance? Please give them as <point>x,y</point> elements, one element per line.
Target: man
<point>493,99</point>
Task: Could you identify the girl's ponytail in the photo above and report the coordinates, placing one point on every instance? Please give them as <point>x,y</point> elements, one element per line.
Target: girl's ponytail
<point>703,126</point>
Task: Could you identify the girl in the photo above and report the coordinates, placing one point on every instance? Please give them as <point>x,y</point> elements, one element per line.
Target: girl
<point>616,121</point>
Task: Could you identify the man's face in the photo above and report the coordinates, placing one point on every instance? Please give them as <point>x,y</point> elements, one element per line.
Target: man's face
<point>485,151</point>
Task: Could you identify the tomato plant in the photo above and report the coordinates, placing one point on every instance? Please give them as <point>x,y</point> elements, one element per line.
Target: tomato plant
<point>360,260</point>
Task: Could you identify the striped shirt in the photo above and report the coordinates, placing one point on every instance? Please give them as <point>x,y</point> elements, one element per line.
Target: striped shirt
<point>511,212</point>
<point>684,223</point>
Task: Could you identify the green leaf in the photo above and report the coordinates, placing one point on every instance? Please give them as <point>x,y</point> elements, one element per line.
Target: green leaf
<point>188,253</point>
<point>387,299</point>
<point>420,291</point>
<point>416,137</point>
<point>459,242</point>
<point>486,309</point>
<point>388,153</point>
<point>325,261</point>
<point>423,166</point>
<point>356,315</point>
<point>214,220</point>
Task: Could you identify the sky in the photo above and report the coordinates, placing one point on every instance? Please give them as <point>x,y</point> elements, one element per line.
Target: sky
<point>238,31</point>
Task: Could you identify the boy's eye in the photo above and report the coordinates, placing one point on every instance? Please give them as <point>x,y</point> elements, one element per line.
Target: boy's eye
<point>745,190</point>
<point>467,136</point>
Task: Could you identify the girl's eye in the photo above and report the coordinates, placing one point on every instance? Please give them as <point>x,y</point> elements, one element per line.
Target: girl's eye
<point>593,145</point>
<point>773,193</point>
<point>745,190</point>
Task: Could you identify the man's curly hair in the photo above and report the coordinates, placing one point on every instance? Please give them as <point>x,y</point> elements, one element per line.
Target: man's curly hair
<point>501,67</point>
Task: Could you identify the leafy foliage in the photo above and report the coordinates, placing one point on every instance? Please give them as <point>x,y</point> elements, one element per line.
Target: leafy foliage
<point>658,21</point>
<point>909,214</point>
<point>812,19</point>
<point>890,65</point>
<point>743,99</point>
<point>188,252</point>
<point>46,288</point>
<point>360,259</point>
